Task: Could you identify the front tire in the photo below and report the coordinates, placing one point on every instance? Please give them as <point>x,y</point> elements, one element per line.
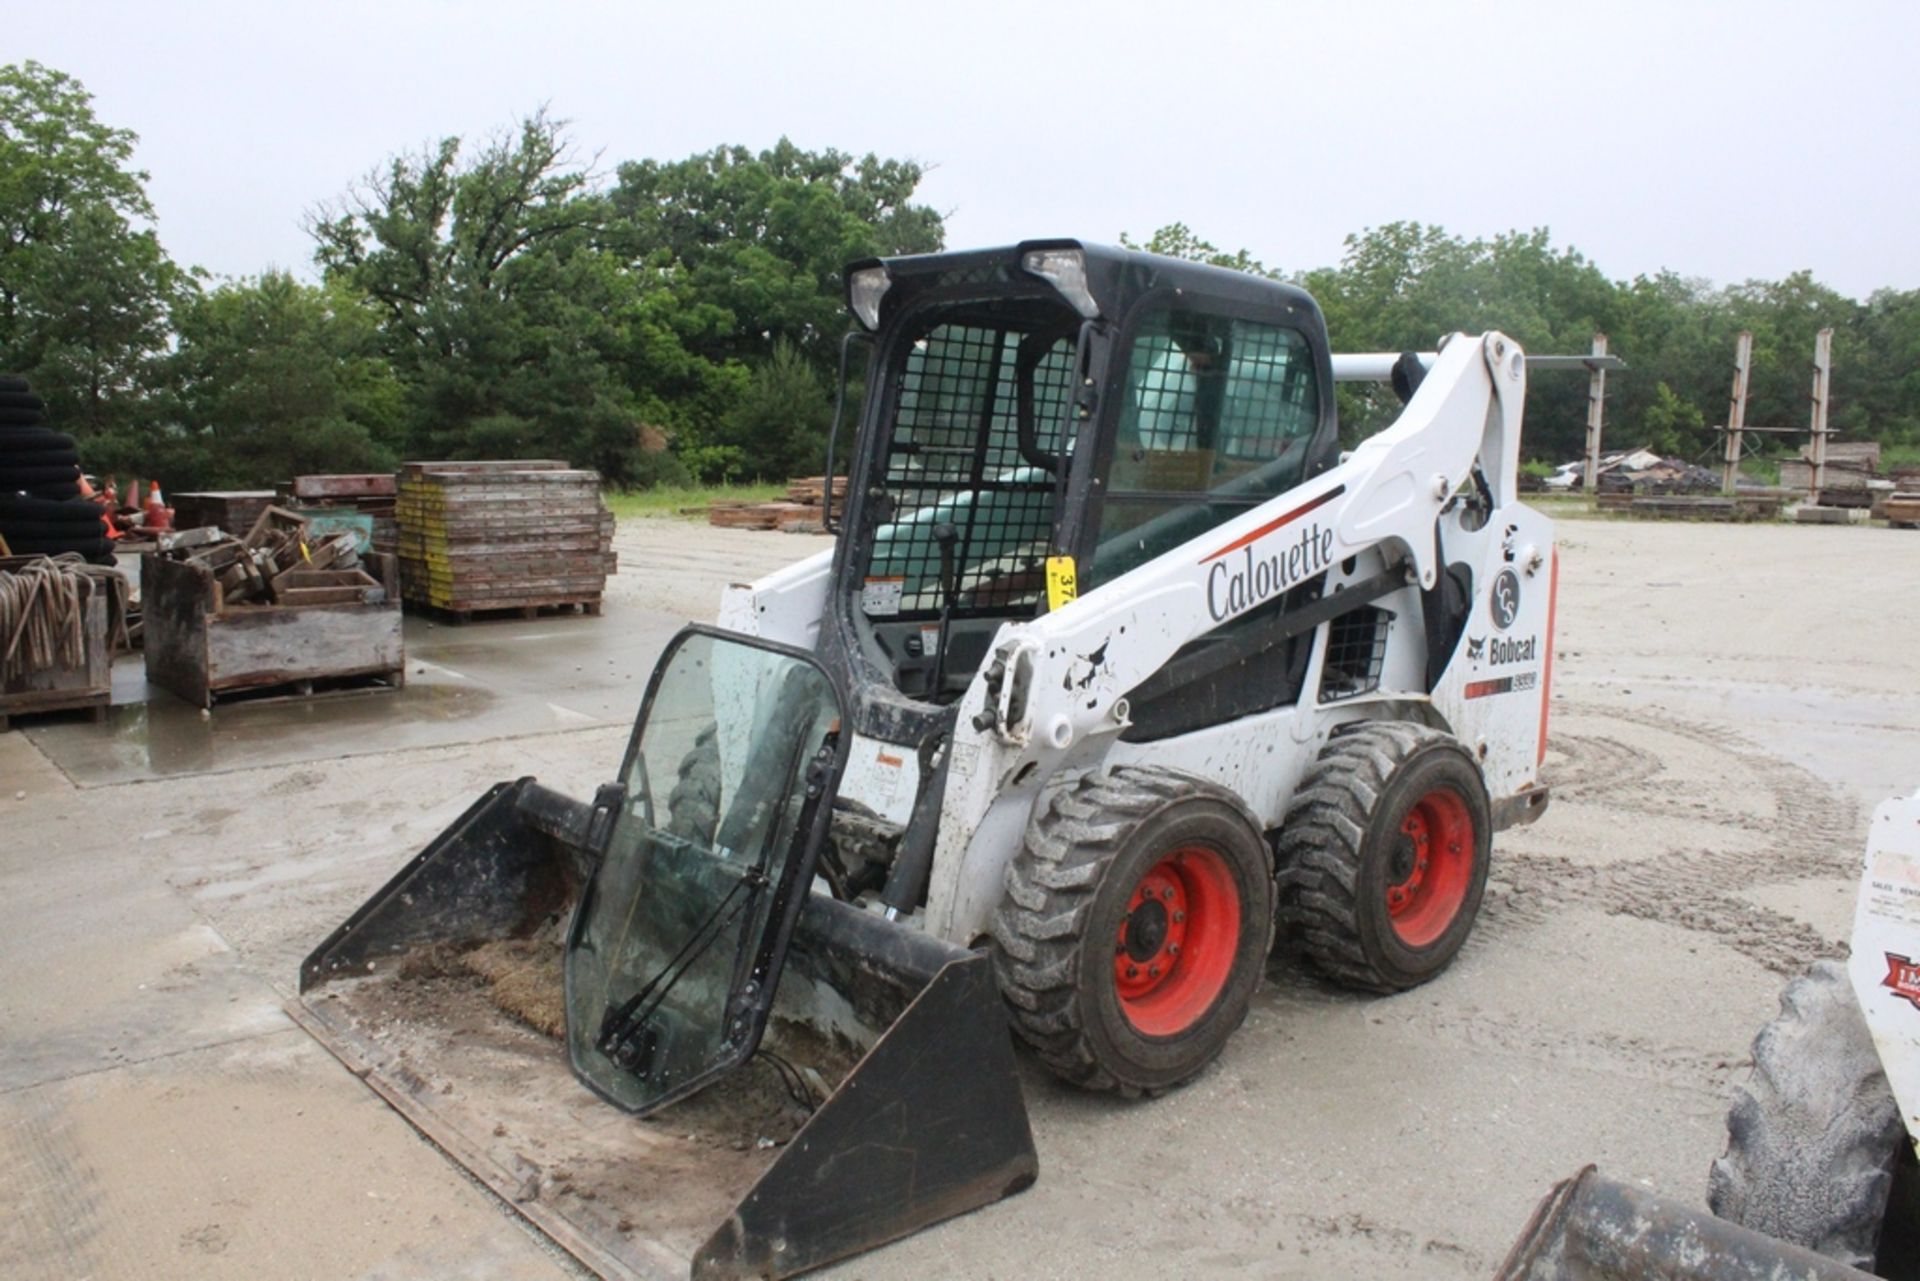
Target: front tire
<point>1383,856</point>
<point>1814,1135</point>
<point>1134,928</point>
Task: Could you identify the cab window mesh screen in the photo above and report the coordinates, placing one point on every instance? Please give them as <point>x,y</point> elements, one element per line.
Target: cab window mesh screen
<point>954,458</point>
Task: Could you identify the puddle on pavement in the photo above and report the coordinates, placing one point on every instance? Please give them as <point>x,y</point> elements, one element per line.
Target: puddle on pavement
<point>490,679</point>
<point>166,736</point>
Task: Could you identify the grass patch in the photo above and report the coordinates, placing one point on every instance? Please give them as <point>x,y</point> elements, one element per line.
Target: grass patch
<point>1576,506</point>
<point>1899,457</point>
<point>668,500</point>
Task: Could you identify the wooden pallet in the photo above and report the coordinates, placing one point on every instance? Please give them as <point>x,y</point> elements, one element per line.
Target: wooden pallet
<point>316,687</point>
<point>54,703</point>
<point>88,686</point>
<point>494,611</point>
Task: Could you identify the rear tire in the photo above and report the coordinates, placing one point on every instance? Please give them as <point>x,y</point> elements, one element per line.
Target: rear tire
<point>1814,1135</point>
<point>693,807</point>
<point>1134,928</point>
<point>1383,856</point>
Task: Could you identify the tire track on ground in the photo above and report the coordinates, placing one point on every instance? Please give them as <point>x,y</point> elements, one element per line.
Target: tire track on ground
<point>1811,830</point>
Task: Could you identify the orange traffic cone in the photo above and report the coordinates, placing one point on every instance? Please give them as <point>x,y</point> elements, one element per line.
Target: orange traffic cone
<point>159,515</point>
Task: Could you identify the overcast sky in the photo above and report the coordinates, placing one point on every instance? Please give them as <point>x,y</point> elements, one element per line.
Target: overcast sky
<point>1727,141</point>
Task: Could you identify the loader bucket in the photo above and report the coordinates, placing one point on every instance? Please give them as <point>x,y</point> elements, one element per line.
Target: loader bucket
<point>1590,1228</point>
<point>608,1013</point>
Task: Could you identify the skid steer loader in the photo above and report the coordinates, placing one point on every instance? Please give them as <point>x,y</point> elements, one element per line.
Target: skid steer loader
<point>1117,667</point>
<point>1821,1178</point>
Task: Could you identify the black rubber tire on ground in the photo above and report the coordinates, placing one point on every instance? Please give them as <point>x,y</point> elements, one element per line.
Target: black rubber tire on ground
<point>12,384</point>
<point>50,457</point>
<point>56,529</point>
<point>15,439</point>
<point>1072,915</point>
<point>54,491</point>
<point>1814,1135</point>
<point>15,476</point>
<point>52,511</point>
<point>693,807</point>
<point>1348,848</point>
<point>94,549</point>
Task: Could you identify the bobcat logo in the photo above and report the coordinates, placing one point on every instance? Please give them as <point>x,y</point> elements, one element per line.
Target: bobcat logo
<point>1476,646</point>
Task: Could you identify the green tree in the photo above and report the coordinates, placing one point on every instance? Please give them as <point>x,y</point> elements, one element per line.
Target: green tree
<point>84,290</point>
<point>272,378</point>
<point>751,246</point>
<point>514,330</point>
<point>1177,240</point>
<point>779,425</point>
<point>1671,425</point>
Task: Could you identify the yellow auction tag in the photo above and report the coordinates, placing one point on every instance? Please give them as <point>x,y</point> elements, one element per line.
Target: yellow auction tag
<point>1063,582</point>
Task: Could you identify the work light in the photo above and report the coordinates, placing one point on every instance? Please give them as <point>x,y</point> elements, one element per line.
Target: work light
<point>865,289</point>
<point>1065,270</point>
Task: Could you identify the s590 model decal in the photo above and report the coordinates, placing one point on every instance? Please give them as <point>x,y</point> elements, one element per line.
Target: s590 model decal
<point>1502,685</point>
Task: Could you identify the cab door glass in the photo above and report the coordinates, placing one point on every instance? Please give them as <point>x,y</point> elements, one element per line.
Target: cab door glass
<point>1216,417</point>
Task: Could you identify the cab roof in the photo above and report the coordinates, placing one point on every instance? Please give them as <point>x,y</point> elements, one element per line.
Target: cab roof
<point>1116,278</point>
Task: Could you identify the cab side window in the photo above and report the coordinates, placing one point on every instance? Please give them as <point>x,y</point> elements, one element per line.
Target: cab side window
<point>1217,417</point>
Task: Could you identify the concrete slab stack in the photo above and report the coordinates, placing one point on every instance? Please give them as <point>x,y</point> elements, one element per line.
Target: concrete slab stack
<point>513,534</point>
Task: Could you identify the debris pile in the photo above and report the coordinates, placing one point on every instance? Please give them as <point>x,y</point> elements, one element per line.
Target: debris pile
<point>801,512</point>
<point>1644,472</point>
<point>363,503</point>
<point>280,561</point>
<point>522,534</point>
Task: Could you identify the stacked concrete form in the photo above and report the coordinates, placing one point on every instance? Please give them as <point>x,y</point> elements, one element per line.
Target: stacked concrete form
<point>325,498</point>
<point>231,510</point>
<point>519,534</point>
<point>800,513</point>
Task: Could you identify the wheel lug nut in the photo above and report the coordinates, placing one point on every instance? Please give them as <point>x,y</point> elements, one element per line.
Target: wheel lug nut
<point>1167,893</point>
<point>1173,949</point>
<point>1179,917</point>
<point>1153,971</point>
<point>1133,971</point>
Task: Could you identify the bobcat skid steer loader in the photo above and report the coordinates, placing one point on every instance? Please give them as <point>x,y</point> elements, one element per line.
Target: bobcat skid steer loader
<point>1117,668</point>
<point>1820,1180</point>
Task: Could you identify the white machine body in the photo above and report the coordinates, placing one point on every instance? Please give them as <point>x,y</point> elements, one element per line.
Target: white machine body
<point>1397,504</point>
